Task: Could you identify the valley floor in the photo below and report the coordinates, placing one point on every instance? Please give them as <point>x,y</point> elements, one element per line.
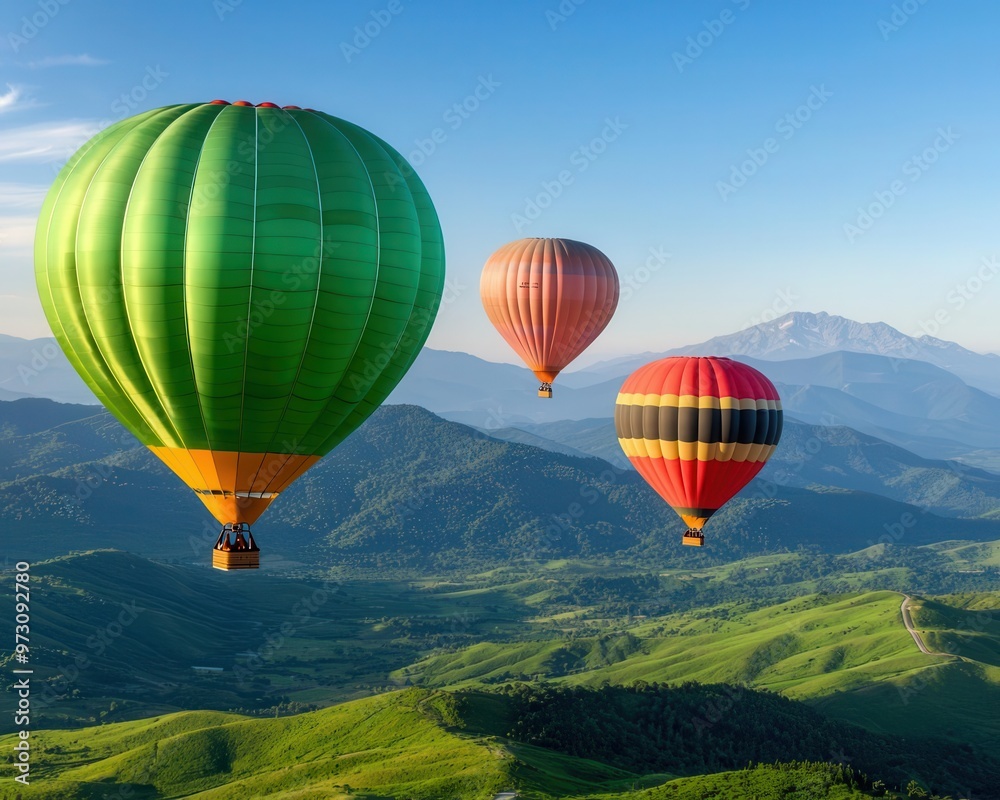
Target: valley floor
<point>507,674</point>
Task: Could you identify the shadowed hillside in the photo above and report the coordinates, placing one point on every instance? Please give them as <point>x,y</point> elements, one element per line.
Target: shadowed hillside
<point>409,489</point>
<point>538,741</point>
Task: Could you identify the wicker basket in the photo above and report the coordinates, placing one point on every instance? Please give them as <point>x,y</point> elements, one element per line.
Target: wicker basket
<point>236,559</point>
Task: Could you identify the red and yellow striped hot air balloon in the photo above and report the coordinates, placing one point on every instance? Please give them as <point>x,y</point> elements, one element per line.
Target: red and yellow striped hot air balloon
<point>550,299</point>
<point>698,430</point>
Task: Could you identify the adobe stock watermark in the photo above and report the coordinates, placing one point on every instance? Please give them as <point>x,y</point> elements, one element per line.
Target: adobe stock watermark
<point>913,169</point>
<point>41,357</point>
<point>896,529</point>
<point>633,281</point>
<point>366,33</point>
<point>275,638</point>
<point>901,14</point>
<point>960,295</point>
<point>495,419</point>
<point>225,7</point>
<point>453,117</point>
<point>99,643</point>
<point>36,23</point>
<point>580,160</point>
<point>562,525</point>
<point>126,103</point>
<point>781,477</point>
<point>711,30</point>
<point>785,127</point>
<point>370,368</point>
<point>129,101</point>
<point>207,191</point>
<point>559,14</point>
<point>782,303</point>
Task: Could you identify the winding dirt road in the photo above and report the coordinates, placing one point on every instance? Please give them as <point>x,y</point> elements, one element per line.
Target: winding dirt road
<point>904,609</point>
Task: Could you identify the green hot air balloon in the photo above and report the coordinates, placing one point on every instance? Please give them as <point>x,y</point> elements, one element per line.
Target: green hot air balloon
<point>241,286</point>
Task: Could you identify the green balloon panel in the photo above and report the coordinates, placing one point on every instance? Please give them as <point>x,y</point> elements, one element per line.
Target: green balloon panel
<point>238,278</point>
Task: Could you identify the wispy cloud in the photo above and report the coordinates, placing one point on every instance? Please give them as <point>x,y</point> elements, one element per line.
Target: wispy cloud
<point>82,60</point>
<point>8,100</point>
<point>17,232</point>
<point>19,205</point>
<point>45,142</point>
<point>21,195</point>
<point>15,99</point>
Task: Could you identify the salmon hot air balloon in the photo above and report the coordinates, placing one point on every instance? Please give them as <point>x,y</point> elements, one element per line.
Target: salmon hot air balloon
<point>698,430</point>
<point>241,286</point>
<point>550,299</point>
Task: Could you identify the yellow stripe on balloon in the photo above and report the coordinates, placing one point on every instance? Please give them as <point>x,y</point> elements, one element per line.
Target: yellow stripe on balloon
<point>696,451</point>
<point>693,401</point>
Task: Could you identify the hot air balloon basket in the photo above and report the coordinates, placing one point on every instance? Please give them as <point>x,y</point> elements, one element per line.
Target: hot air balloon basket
<point>231,560</point>
<point>694,538</point>
<point>545,390</point>
<point>239,553</point>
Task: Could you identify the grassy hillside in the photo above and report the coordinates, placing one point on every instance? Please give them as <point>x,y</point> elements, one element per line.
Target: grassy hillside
<point>426,746</point>
<point>806,647</point>
<point>956,696</point>
<point>695,729</point>
<point>762,782</point>
<point>970,556</point>
<point>380,746</point>
<point>577,623</point>
<point>850,656</point>
<point>972,634</point>
<point>117,636</point>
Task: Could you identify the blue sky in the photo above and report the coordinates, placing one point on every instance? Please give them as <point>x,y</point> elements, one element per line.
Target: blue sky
<point>740,137</point>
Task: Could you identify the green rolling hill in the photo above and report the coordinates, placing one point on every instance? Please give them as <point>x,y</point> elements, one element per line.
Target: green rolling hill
<point>850,656</point>
<point>118,636</point>
<point>533,740</point>
<point>380,745</point>
<point>762,782</point>
<point>577,624</point>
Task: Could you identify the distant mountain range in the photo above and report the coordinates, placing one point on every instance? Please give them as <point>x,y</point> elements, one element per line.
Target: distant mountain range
<point>933,397</point>
<point>38,368</point>
<point>802,334</point>
<point>927,395</point>
<point>411,489</point>
<point>811,456</point>
<point>912,404</point>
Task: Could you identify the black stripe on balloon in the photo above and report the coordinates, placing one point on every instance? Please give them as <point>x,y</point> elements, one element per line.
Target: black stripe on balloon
<point>695,512</point>
<point>625,426</point>
<point>709,425</point>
